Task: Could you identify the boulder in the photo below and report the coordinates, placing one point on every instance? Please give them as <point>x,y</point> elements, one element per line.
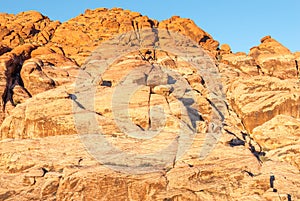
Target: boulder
<point>225,49</point>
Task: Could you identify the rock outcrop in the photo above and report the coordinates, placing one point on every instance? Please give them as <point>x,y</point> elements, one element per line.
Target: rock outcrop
<point>150,115</point>
<point>284,128</point>
<point>89,30</point>
<point>259,99</point>
<point>189,28</point>
<point>274,59</point>
<point>26,27</point>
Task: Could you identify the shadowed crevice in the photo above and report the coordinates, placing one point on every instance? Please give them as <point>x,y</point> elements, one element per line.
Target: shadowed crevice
<point>13,78</point>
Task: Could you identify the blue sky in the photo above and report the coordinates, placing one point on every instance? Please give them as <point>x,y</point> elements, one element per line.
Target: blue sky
<point>241,24</point>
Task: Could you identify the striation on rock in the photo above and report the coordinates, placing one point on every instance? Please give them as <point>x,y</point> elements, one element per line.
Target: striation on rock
<point>280,137</point>
<point>259,99</point>
<point>44,158</point>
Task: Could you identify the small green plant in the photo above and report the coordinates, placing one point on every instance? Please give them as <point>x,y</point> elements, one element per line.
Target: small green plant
<point>21,40</point>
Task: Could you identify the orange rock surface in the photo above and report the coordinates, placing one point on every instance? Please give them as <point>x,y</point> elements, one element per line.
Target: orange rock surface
<point>171,82</point>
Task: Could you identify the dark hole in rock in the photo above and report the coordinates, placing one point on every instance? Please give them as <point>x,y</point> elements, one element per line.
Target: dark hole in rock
<point>106,83</point>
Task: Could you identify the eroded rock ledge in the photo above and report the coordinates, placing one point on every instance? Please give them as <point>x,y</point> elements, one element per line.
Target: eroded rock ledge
<point>43,158</point>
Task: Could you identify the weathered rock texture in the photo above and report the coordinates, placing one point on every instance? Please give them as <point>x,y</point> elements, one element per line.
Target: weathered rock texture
<point>259,99</point>
<point>47,78</point>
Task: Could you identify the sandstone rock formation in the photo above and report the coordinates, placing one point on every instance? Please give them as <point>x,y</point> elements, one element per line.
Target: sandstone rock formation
<point>206,125</point>
<point>26,27</point>
<point>188,27</point>
<point>259,99</point>
<point>274,59</point>
<point>284,128</point>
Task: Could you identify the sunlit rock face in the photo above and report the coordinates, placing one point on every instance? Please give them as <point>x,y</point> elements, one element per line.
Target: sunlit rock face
<point>98,108</point>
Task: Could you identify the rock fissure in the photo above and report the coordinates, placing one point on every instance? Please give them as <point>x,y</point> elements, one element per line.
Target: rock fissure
<point>13,78</point>
<point>297,69</point>
<point>250,80</point>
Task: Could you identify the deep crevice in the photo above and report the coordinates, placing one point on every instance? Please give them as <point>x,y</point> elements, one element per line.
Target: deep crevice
<point>13,78</point>
<point>297,69</point>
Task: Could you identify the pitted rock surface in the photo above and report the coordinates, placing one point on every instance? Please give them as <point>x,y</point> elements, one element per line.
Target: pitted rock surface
<point>255,97</point>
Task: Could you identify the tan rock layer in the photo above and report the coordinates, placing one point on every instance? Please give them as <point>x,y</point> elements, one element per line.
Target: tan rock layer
<point>263,99</point>
<point>258,99</point>
<point>60,168</point>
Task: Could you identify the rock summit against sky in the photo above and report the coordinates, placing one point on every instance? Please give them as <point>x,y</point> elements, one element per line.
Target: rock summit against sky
<point>204,123</point>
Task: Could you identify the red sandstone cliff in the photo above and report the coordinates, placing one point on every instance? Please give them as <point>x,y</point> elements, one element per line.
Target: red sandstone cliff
<point>42,158</point>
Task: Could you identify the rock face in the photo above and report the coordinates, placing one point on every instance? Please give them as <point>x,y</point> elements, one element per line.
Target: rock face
<point>87,31</point>
<point>284,128</point>
<point>274,59</point>
<point>47,71</point>
<point>26,27</point>
<point>187,27</point>
<point>151,114</point>
<point>259,99</point>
